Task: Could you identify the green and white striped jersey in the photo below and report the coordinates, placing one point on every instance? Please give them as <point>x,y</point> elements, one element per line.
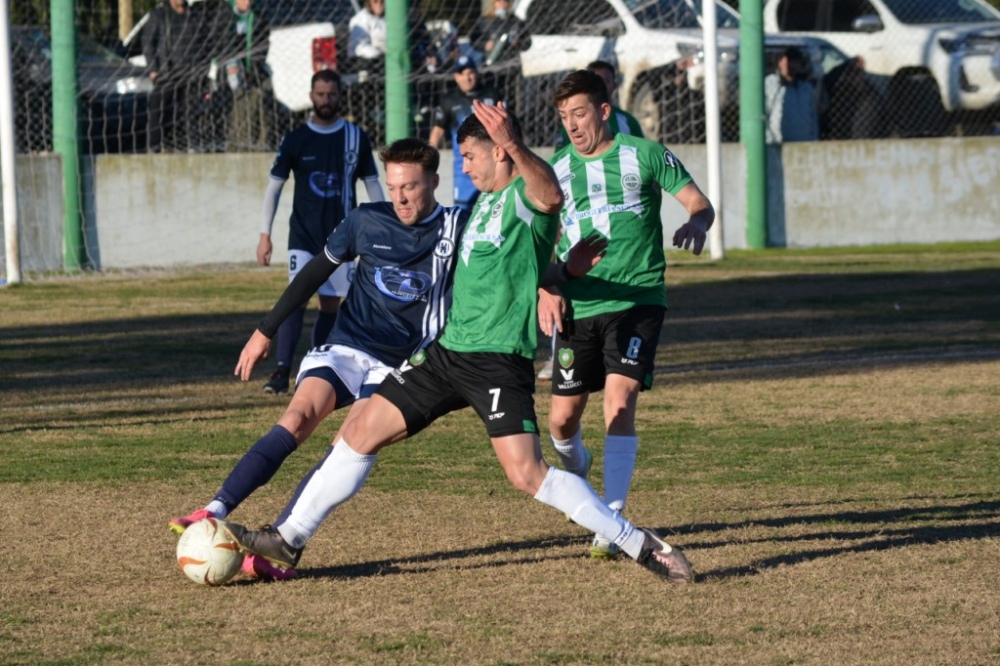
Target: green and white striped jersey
<point>506,246</point>
<point>618,194</point>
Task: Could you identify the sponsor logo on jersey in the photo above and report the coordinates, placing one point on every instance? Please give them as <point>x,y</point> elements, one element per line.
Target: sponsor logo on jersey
<point>565,357</point>
<point>351,157</point>
<point>628,361</point>
<point>606,210</point>
<point>570,385</point>
<point>670,159</point>
<point>400,285</point>
<point>444,248</point>
<point>497,209</point>
<point>497,415</point>
<point>326,185</point>
<point>377,246</point>
<point>568,177</point>
<point>596,187</point>
<point>631,182</point>
<point>496,239</point>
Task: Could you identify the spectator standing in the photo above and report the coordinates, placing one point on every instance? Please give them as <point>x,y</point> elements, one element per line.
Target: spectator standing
<point>328,155</point>
<point>449,115</point>
<point>245,77</point>
<point>368,33</point>
<point>790,100</point>
<point>176,46</point>
<point>499,34</point>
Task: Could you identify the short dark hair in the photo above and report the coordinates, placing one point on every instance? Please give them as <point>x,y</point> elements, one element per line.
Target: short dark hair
<point>602,64</point>
<point>794,53</point>
<point>411,151</point>
<point>328,76</point>
<point>472,128</point>
<point>583,82</point>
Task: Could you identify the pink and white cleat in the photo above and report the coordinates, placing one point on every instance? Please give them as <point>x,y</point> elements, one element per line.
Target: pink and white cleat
<point>258,567</point>
<point>178,525</point>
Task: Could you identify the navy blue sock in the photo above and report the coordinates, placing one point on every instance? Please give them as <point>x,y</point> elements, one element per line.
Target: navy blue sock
<point>288,337</point>
<point>257,466</point>
<point>322,327</point>
<point>298,489</point>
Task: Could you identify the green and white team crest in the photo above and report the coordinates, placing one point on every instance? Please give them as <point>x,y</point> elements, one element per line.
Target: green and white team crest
<point>565,357</point>
<point>418,358</point>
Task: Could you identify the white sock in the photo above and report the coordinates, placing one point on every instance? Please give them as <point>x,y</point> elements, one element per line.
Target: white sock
<point>571,453</point>
<point>619,463</point>
<point>337,480</point>
<point>574,497</point>
<point>217,508</point>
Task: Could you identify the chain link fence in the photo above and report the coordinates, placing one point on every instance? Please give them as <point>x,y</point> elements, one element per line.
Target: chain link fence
<point>870,68</point>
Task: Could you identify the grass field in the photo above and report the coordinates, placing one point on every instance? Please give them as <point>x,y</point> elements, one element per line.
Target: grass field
<point>822,441</point>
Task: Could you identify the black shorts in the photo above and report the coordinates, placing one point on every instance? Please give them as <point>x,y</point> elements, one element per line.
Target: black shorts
<point>619,343</point>
<point>499,387</point>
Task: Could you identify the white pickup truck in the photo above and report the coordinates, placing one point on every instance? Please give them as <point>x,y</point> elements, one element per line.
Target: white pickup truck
<point>929,56</point>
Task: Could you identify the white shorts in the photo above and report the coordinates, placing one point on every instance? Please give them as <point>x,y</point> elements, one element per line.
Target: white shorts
<point>353,367</point>
<point>337,285</point>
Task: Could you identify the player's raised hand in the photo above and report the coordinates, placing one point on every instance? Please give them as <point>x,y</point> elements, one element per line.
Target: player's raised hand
<point>497,122</point>
<point>256,348</point>
<point>691,236</point>
<point>586,254</point>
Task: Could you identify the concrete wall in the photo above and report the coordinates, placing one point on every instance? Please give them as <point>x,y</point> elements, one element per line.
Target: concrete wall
<point>166,210</point>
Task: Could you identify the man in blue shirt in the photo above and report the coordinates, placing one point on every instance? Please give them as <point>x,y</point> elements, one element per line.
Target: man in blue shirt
<point>451,112</point>
<point>327,156</point>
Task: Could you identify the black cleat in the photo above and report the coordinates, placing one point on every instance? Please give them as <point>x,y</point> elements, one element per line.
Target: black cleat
<point>663,560</point>
<point>278,383</point>
<point>267,543</point>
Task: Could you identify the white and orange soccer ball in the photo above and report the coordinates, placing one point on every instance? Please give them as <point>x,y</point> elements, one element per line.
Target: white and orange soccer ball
<point>206,554</point>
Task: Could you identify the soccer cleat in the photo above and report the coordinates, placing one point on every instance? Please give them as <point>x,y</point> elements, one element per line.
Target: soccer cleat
<point>267,543</point>
<point>546,371</point>
<point>663,560</point>
<point>278,383</point>
<point>603,549</point>
<point>178,525</point>
<point>258,567</point>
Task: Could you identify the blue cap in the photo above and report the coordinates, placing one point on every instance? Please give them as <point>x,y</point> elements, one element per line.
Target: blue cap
<point>463,63</point>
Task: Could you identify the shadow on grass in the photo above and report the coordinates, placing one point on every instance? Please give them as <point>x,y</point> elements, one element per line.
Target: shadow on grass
<point>841,321</point>
<point>886,530</point>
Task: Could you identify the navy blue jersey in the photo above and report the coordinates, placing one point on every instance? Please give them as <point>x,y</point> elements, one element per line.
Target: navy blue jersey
<point>327,163</point>
<point>401,291</point>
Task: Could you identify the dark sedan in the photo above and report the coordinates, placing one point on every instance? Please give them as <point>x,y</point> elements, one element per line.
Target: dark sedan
<point>112,95</point>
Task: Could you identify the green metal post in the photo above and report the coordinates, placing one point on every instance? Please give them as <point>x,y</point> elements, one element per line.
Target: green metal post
<point>65,127</point>
<point>752,119</point>
<point>397,71</point>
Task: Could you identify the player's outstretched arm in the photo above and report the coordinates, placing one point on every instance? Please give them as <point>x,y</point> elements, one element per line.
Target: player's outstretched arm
<point>691,235</point>
<point>540,183</point>
<point>256,348</point>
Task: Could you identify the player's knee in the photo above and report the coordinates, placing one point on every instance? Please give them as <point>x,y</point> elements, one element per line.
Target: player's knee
<point>525,478</point>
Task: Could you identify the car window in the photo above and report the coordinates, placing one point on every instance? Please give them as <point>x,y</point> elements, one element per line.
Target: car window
<point>562,17</point>
<point>665,14</point>
<point>37,42</point>
<point>939,11</point>
<point>799,16</point>
<point>846,11</point>
<point>292,12</point>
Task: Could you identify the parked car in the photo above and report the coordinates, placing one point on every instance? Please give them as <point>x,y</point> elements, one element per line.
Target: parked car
<point>112,94</point>
<point>651,42</point>
<point>929,57</point>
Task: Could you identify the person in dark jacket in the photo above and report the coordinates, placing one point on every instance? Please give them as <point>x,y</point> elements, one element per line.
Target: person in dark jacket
<point>177,43</point>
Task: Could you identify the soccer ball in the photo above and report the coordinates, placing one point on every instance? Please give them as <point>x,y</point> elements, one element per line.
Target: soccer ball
<point>206,554</point>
